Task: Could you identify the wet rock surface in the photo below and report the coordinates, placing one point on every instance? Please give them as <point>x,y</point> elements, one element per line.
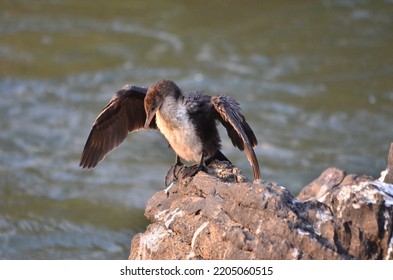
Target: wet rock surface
<point>221,215</point>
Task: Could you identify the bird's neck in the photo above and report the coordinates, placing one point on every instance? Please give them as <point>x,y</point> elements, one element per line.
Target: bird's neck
<point>172,109</point>
<point>175,123</point>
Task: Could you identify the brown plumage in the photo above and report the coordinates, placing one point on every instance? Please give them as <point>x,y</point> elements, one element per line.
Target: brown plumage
<point>123,114</point>
<point>187,120</point>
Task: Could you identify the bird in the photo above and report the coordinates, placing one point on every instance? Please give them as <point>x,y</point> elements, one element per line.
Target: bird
<point>187,120</point>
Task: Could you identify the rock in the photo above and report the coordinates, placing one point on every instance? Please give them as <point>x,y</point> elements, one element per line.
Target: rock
<point>221,215</point>
<point>389,170</point>
<point>361,211</point>
<point>329,179</point>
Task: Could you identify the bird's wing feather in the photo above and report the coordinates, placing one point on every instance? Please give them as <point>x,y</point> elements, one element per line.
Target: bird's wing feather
<point>124,113</point>
<point>242,136</point>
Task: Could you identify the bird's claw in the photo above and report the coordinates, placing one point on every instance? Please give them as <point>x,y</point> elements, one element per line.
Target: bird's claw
<point>177,172</point>
<point>172,174</point>
<point>192,171</point>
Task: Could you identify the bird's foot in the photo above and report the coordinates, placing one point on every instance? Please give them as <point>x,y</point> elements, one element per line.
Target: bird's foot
<point>191,171</point>
<point>180,171</point>
<point>173,172</point>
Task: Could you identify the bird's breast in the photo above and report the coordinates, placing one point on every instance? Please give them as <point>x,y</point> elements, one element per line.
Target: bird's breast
<point>180,132</point>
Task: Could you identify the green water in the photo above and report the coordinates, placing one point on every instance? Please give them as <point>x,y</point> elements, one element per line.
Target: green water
<point>314,78</point>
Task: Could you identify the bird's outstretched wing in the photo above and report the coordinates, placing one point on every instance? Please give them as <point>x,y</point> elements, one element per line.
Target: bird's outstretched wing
<point>240,133</point>
<point>124,113</point>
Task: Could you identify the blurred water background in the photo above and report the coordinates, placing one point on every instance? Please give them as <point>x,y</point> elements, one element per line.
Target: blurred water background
<point>314,78</point>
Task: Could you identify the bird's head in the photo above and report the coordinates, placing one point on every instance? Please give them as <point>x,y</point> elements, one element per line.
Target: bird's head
<point>156,95</point>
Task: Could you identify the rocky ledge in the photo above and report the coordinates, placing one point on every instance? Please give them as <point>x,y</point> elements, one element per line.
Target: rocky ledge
<point>221,215</point>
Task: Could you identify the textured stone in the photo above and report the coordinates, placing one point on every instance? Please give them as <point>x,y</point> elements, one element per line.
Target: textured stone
<point>221,215</point>
<point>389,168</point>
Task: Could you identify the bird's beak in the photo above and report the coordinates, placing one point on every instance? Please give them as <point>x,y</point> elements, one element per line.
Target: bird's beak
<point>149,116</point>
<point>152,103</point>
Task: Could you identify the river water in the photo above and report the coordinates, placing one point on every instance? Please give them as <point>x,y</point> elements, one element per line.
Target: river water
<point>314,79</point>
